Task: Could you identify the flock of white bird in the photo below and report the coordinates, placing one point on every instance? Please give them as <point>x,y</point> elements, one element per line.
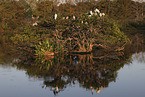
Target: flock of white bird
<point>96,12</point>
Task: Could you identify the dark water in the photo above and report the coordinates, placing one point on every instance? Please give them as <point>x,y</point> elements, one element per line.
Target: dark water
<point>102,80</point>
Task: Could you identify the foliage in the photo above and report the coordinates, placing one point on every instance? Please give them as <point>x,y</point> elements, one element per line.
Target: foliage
<point>72,28</point>
<point>11,15</point>
<point>55,32</point>
<point>44,9</point>
<point>123,11</point>
<point>27,36</point>
<point>44,48</point>
<point>81,33</point>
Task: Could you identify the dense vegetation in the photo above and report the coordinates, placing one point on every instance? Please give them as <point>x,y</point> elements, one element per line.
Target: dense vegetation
<point>47,29</point>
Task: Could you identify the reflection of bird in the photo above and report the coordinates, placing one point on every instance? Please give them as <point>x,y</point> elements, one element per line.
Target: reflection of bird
<point>102,88</point>
<point>98,91</point>
<point>55,92</point>
<point>92,89</point>
<point>57,89</point>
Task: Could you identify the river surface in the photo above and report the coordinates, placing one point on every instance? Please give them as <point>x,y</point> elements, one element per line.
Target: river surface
<point>129,82</point>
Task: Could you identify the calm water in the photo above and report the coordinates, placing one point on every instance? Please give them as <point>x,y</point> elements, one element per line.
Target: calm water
<point>127,81</point>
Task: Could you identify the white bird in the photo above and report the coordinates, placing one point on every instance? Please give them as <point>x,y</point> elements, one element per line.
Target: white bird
<point>33,17</point>
<point>55,16</point>
<point>74,17</point>
<point>35,24</point>
<point>86,23</point>
<point>100,14</point>
<point>67,17</point>
<point>37,17</point>
<point>58,4</point>
<point>89,16</point>
<point>103,14</point>
<point>97,10</point>
<point>91,12</point>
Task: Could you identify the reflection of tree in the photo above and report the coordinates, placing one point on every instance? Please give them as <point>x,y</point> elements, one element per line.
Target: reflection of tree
<point>140,57</point>
<point>64,71</point>
<point>57,84</point>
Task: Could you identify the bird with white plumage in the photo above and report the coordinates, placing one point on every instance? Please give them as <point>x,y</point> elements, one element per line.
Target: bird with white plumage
<point>67,17</point>
<point>74,17</point>
<point>91,13</point>
<point>102,14</point>
<point>97,10</point>
<point>55,16</point>
<point>63,18</point>
<point>35,24</point>
<point>89,16</point>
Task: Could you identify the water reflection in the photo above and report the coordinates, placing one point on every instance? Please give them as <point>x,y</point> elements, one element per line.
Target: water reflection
<point>140,57</point>
<point>60,72</point>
